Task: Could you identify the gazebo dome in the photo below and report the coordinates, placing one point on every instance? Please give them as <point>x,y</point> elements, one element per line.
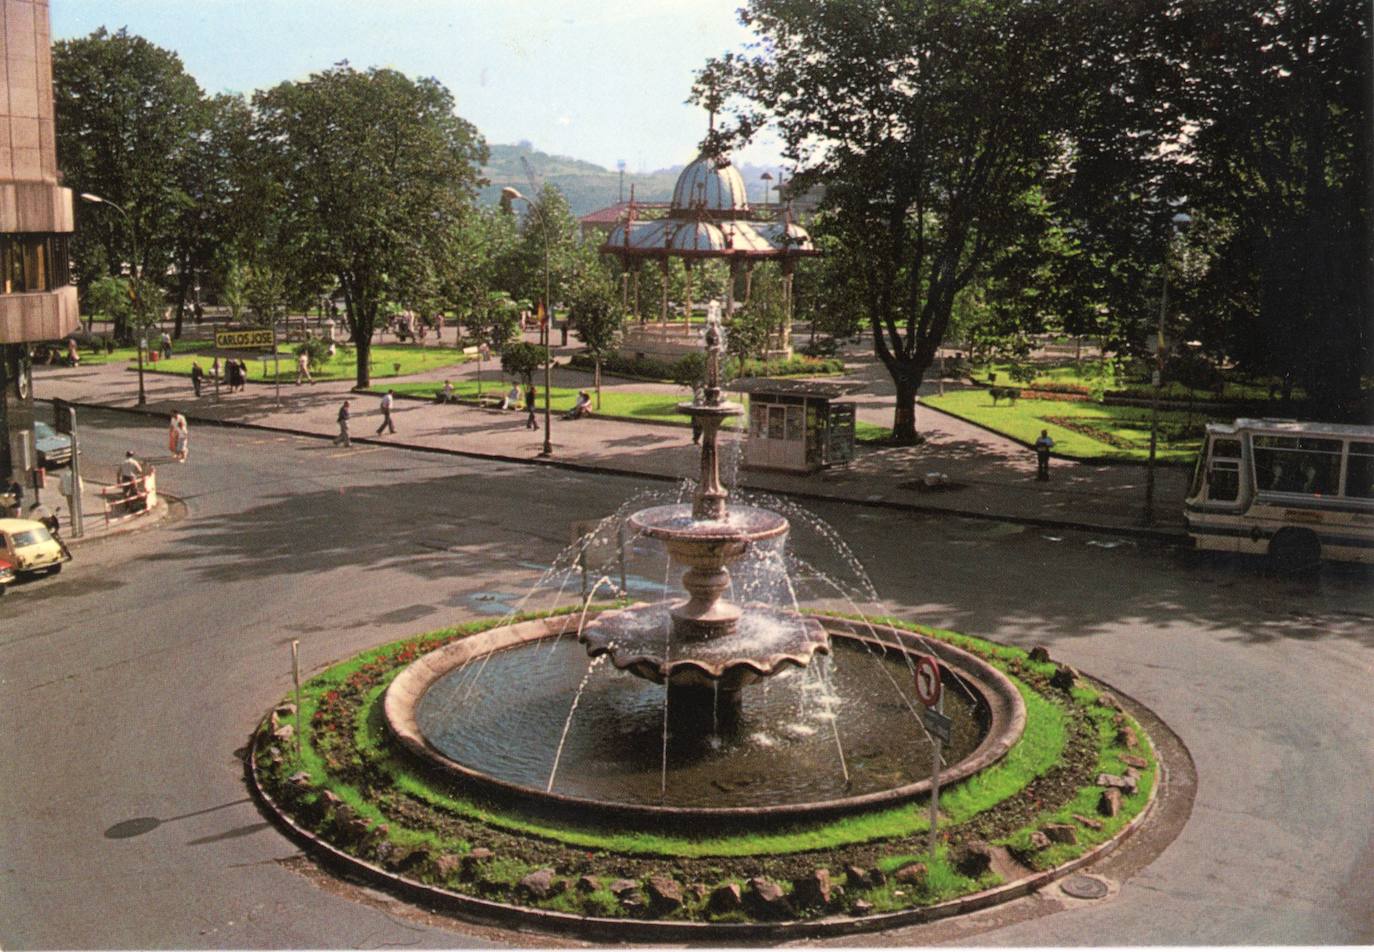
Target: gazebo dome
<point>711,186</point>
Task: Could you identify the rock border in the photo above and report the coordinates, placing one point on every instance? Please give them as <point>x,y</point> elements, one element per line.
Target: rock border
<point>474,910</point>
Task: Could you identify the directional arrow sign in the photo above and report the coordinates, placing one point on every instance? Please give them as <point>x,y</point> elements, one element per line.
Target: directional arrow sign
<point>928,680</point>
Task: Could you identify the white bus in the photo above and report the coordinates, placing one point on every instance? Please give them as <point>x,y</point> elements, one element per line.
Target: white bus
<point>1297,492</point>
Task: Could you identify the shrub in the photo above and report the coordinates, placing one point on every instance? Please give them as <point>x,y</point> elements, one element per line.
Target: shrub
<point>317,351</point>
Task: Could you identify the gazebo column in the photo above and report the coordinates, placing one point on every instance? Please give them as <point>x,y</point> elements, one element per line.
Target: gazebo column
<point>730,289</point>
<point>634,277</point>
<point>663,311</point>
<point>748,281</point>
<point>789,268</point>
<point>687,293</point>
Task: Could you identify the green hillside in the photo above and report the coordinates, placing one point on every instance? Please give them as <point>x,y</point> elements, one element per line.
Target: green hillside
<point>586,185</point>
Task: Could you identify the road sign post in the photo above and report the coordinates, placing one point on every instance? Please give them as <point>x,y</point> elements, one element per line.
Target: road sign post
<point>65,421</point>
<point>929,692</point>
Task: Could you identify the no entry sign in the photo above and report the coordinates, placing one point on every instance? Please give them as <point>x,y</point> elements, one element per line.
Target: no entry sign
<point>928,680</point>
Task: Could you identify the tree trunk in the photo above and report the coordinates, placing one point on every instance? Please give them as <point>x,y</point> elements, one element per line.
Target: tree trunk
<point>904,413</point>
<point>364,345</point>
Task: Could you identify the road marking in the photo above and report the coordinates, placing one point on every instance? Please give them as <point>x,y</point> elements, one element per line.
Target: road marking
<point>356,451</point>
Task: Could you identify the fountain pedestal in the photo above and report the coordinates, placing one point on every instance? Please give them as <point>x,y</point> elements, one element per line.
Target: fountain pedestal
<point>706,656</point>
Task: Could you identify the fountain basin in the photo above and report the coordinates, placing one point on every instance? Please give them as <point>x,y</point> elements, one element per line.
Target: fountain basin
<point>694,541</point>
<point>626,787</point>
<point>758,645</point>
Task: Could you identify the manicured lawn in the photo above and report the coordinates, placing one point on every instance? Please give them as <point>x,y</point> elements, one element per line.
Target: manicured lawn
<point>615,404</point>
<point>388,360</point>
<point>1118,433</point>
<point>1089,374</point>
<point>130,354</point>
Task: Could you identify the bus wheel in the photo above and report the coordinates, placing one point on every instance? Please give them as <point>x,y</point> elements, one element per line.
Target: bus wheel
<point>1295,551</point>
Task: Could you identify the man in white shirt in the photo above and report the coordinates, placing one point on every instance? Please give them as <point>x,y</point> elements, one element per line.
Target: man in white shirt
<point>387,402</point>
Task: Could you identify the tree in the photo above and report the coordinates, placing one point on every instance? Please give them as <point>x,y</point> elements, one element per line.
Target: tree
<point>597,318</point>
<point>127,114</point>
<point>928,121</point>
<point>491,325</point>
<point>377,171</point>
<point>1279,96</point>
<point>549,218</point>
<point>522,360</point>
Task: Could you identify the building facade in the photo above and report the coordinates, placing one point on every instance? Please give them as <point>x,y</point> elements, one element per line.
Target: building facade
<point>37,299</point>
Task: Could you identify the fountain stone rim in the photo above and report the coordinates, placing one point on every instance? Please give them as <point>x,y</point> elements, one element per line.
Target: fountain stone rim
<point>1005,709</point>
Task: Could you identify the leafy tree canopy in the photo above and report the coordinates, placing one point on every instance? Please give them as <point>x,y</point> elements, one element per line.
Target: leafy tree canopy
<point>377,170</point>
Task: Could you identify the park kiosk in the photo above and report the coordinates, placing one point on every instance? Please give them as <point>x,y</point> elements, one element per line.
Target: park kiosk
<point>797,425</point>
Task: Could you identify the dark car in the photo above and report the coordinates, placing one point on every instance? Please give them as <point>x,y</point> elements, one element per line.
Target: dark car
<point>54,449</point>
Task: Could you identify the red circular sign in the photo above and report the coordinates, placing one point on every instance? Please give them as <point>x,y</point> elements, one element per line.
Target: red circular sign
<point>928,680</point>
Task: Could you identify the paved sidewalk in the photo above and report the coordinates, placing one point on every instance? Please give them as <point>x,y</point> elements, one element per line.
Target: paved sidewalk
<point>989,475</point>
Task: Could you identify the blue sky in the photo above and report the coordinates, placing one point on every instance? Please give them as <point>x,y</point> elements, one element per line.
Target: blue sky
<point>591,79</point>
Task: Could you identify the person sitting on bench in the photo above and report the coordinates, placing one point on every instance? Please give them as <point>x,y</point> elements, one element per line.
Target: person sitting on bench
<point>583,407</point>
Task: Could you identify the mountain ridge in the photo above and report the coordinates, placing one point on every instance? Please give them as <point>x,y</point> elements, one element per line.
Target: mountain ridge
<point>586,185</point>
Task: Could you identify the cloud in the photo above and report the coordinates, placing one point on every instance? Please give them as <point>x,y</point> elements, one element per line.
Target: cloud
<point>565,120</point>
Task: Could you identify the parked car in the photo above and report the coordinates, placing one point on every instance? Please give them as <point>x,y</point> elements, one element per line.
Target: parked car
<point>54,449</point>
<point>30,548</point>
<point>6,575</point>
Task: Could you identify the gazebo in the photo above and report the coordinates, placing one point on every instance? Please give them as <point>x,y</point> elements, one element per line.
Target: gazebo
<point>709,217</point>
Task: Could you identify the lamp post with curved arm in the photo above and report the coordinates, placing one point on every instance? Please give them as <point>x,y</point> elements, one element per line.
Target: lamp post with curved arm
<point>1179,224</point>
<point>133,272</point>
<point>547,329</point>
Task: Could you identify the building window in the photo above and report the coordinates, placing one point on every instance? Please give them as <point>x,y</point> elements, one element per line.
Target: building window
<point>33,263</point>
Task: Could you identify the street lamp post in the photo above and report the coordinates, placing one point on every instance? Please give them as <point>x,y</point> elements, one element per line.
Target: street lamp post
<point>133,271</point>
<point>767,179</point>
<point>546,332</point>
<point>1181,220</point>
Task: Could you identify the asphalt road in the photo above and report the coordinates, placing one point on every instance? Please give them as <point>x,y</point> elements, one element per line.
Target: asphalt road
<point>128,683</point>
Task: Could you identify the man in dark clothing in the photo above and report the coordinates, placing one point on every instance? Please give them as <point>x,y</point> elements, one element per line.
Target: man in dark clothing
<point>343,426</point>
<point>197,376</point>
<point>530,422</point>
<point>1043,445</point>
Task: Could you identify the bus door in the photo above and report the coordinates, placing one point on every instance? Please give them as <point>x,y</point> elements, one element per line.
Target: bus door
<point>1222,478</point>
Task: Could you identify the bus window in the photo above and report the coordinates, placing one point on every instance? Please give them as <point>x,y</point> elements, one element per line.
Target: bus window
<point>1297,465</point>
<point>1359,474</point>
<point>1223,481</point>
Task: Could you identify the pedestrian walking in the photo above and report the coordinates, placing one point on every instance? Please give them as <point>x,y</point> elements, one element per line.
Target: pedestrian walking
<point>343,437</point>
<point>197,376</point>
<point>1043,445</point>
<point>165,346</point>
<point>303,368</point>
<point>530,422</point>
<point>387,402</point>
<point>179,437</point>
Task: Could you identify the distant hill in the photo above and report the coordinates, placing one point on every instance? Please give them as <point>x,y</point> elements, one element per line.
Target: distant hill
<point>587,185</point>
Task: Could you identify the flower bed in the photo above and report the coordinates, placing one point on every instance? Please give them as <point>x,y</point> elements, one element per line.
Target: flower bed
<point>350,787</point>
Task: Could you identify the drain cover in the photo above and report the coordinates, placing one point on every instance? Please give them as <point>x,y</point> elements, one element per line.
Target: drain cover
<point>1084,887</point>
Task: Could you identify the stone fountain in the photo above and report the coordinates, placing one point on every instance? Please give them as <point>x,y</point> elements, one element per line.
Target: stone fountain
<point>706,657</point>
<point>830,725</point>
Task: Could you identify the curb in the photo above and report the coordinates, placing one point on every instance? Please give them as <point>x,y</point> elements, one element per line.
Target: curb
<point>1177,536</point>
<point>522,918</point>
<point>132,526</point>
